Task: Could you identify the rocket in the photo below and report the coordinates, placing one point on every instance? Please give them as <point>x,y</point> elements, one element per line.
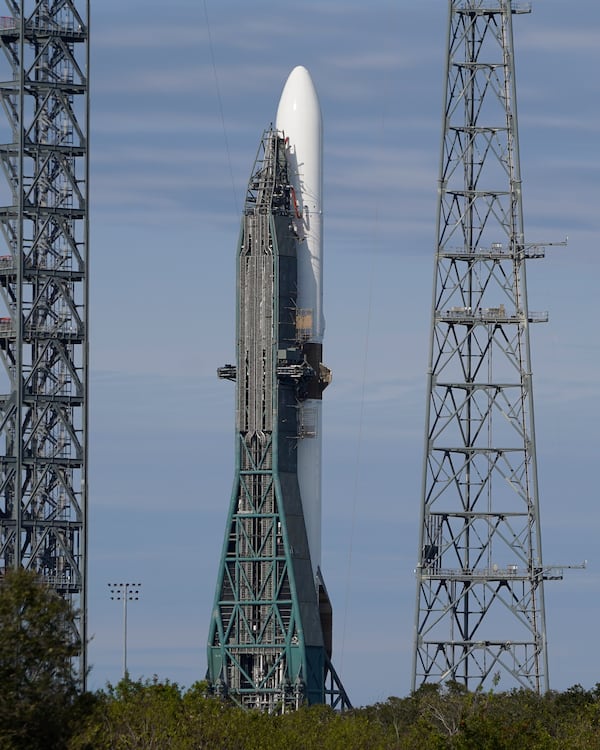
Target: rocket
<point>270,638</point>
<point>299,120</point>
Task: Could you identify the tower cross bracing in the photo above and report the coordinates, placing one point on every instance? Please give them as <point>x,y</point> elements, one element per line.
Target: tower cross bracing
<point>480,595</point>
<point>43,295</point>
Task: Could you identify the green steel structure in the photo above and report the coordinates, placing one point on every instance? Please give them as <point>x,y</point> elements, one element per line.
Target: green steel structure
<point>269,645</point>
<point>480,577</point>
<point>43,295</point>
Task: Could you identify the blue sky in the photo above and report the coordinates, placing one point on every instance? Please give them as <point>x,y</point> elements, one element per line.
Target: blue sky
<point>178,108</point>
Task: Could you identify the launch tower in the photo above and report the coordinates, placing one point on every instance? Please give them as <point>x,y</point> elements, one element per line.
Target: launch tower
<point>480,576</point>
<point>270,638</point>
<point>43,295</point>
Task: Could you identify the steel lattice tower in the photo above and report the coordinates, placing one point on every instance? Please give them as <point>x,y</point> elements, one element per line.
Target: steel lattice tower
<point>480,601</point>
<point>43,285</point>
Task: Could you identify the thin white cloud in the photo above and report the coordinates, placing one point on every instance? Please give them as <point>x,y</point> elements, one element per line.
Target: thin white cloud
<point>155,80</point>
<point>121,123</point>
<point>573,41</point>
<point>570,122</point>
<point>374,61</point>
<point>148,36</point>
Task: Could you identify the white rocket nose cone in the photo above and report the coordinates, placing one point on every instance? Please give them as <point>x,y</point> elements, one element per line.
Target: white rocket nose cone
<point>299,119</point>
<point>299,98</point>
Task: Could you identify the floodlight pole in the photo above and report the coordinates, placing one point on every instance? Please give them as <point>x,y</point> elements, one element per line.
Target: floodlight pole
<point>125,592</point>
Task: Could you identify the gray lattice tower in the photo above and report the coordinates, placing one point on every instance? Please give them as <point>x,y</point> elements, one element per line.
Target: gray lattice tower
<point>43,286</point>
<point>480,602</point>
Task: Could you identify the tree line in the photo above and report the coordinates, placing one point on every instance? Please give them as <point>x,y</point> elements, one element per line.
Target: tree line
<point>161,716</point>
<point>41,707</point>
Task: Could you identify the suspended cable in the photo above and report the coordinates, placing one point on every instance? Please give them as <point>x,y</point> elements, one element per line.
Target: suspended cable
<point>220,101</point>
<point>359,443</point>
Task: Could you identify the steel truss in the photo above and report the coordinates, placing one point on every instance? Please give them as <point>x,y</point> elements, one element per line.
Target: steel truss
<point>43,293</point>
<point>269,644</point>
<point>480,601</point>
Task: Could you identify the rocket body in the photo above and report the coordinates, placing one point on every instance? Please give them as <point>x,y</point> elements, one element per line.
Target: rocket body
<point>270,638</point>
<point>299,119</point>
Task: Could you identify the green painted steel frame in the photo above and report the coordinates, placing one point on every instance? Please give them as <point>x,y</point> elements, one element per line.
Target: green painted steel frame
<point>266,606</point>
<point>300,668</point>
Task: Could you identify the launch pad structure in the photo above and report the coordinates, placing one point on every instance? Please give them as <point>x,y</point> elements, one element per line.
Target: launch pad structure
<point>270,639</point>
<point>43,296</point>
<point>480,613</point>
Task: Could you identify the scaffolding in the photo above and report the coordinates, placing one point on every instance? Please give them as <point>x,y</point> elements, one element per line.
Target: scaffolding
<point>43,296</point>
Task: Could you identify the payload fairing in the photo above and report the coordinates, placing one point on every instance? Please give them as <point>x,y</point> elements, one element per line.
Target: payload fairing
<point>270,640</point>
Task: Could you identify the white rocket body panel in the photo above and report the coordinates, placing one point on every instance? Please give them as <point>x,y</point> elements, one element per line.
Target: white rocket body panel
<point>299,118</point>
<point>309,478</point>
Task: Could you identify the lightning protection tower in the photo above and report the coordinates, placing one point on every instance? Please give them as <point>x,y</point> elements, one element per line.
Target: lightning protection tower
<point>480,601</point>
<point>43,286</point>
